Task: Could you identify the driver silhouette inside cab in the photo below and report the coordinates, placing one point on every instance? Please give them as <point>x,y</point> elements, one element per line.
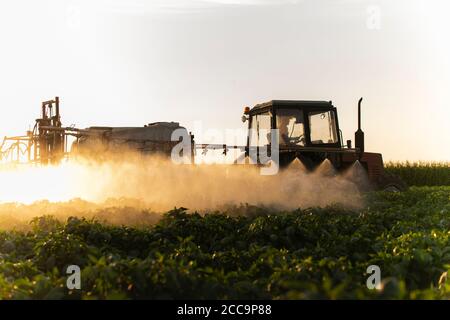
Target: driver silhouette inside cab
<point>283,126</point>
<point>291,129</point>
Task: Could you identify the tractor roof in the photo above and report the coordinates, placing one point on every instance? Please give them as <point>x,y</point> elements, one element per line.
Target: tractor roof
<point>292,104</point>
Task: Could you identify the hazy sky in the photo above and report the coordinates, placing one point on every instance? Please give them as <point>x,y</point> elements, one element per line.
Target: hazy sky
<point>131,62</point>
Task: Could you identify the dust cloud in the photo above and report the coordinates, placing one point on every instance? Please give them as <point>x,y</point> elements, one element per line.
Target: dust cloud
<point>147,185</point>
<point>163,185</point>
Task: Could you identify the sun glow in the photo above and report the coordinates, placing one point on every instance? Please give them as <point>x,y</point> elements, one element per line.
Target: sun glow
<point>27,184</point>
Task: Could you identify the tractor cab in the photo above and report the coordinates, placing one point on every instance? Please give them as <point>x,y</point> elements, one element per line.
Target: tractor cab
<point>306,129</point>
<point>300,124</point>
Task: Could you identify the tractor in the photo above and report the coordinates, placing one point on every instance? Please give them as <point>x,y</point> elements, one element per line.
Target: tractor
<point>309,131</point>
<point>306,130</point>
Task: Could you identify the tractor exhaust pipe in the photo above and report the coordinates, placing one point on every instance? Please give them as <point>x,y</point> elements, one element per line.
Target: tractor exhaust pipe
<point>359,135</point>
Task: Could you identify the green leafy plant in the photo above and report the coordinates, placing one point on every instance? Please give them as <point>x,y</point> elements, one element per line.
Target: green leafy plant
<point>312,253</point>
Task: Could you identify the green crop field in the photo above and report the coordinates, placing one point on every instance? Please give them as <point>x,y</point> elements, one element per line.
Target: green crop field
<point>244,252</point>
<point>421,173</point>
<point>311,253</point>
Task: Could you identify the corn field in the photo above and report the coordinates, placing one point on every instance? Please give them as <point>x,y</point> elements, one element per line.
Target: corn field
<point>421,173</point>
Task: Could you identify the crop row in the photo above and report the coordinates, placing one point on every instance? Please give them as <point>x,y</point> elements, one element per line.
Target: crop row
<point>310,253</point>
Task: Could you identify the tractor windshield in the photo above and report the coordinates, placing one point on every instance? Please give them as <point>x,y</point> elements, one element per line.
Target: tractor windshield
<point>290,123</point>
<point>323,127</point>
<point>260,130</point>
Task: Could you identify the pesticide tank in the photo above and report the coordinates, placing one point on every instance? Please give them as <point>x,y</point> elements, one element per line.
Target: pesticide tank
<point>152,138</point>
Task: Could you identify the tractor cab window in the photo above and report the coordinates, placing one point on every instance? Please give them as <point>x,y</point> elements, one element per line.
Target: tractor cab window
<point>290,124</point>
<point>260,130</point>
<point>323,127</point>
